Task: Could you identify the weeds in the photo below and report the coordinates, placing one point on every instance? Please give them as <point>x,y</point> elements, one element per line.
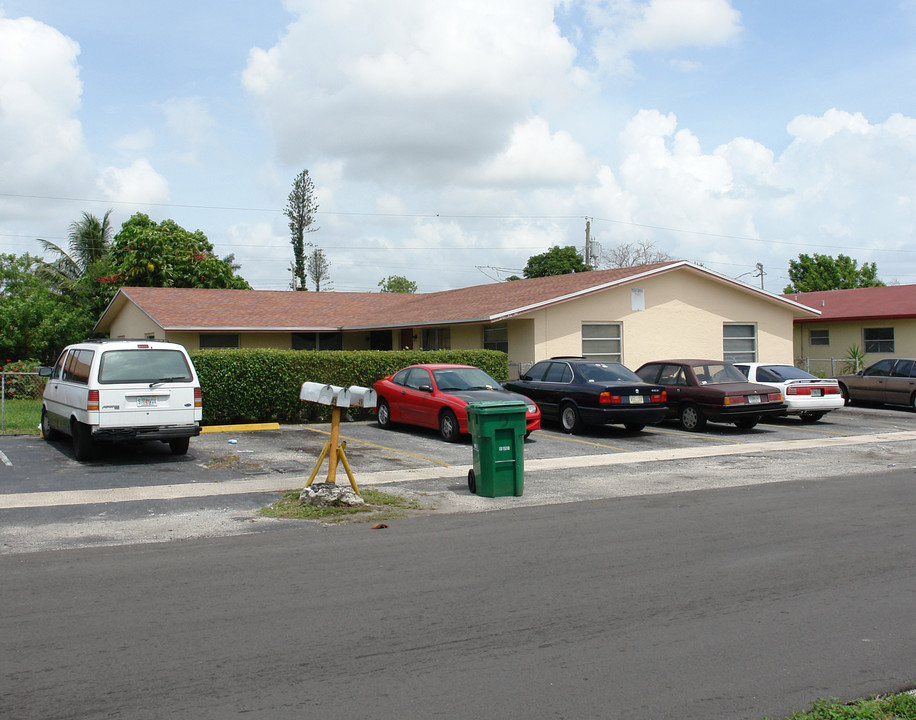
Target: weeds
<point>21,417</point>
<point>886,707</point>
<point>379,506</point>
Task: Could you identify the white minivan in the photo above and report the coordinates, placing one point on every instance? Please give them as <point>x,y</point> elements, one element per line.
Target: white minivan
<point>120,390</point>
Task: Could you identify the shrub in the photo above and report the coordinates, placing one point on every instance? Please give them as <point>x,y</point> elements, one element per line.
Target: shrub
<point>18,384</point>
<point>262,385</point>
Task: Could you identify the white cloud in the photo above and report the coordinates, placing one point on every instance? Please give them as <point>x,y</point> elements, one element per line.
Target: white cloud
<point>41,140</point>
<point>138,183</point>
<point>190,120</point>
<point>429,87</point>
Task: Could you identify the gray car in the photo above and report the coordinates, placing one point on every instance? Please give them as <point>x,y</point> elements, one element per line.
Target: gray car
<point>891,381</point>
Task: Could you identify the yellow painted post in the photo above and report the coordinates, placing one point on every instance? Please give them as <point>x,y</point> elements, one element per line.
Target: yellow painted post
<point>335,436</point>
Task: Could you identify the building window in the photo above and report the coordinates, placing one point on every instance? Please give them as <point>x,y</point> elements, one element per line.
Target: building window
<point>739,343</point>
<point>219,340</point>
<point>879,340</point>
<point>602,341</point>
<point>819,337</point>
<point>496,337</point>
<point>437,339</point>
<point>317,341</point>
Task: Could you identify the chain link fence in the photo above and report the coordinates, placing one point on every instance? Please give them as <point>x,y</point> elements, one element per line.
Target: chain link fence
<point>18,386</point>
<point>829,367</point>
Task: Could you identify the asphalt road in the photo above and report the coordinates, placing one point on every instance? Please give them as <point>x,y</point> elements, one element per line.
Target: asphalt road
<point>651,575</point>
<point>727,603</point>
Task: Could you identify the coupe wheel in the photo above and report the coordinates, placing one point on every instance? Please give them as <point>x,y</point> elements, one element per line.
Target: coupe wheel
<point>47,432</point>
<point>811,417</point>
<point>448,426</point>
<point>570,419</point>
<point>383,414</point>
<point>913,401</point>
<point>691,418</point>
<point>747,423</point>
<point>845,392</point>
<point>83,447</point>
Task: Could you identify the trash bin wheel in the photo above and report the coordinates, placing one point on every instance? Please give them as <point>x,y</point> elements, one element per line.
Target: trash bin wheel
<point>472,482</point>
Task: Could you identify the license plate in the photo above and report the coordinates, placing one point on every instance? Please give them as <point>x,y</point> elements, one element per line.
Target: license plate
<point>817,392</point>
<point>146,402</point>
<point>753,399</point>
<point>636,400</point>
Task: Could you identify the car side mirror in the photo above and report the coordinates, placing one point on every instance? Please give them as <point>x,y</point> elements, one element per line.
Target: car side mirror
<point>425,388</point>
<point>524,377</point>
<point>44,371</point>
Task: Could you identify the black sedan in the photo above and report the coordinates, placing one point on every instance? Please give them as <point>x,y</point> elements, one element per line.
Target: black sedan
<point>580,392</point>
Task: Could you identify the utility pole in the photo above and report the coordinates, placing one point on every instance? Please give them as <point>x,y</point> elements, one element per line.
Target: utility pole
<point>761,273</point>
<point>588,242</point>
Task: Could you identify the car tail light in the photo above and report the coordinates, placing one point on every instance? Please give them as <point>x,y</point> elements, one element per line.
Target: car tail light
<point>795,390</point>
<point>734,400</point>
<point>659,397</point>
<point>607,398</point>
<point>832,390</point>
<point>197,397</point>
<point>92,403</point>
<point>774,397</point>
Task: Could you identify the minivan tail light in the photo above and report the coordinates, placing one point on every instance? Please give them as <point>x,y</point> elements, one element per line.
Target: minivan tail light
<point>92,403</point>
<point>197,397</point>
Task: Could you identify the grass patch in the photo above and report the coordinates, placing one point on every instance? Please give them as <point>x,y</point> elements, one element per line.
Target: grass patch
<point>21,417</point>
<point>901,706</point>
<point>379,506</point>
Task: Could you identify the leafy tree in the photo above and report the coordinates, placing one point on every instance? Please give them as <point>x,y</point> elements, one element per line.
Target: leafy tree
<point>556,261</point>
<point>397,284</point>
<point>37,322</point>
<point>318,267</point>
<point>301,207</point>
<point>634,253</point>
<point>822,272</point>
<point>150,254</point>
<point>89,240</point>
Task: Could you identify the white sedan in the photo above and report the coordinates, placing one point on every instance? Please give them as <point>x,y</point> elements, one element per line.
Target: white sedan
<point>805,395</point>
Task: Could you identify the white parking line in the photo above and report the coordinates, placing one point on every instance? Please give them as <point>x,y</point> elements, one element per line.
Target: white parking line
<point>270,483</point>
<point>5,460</point>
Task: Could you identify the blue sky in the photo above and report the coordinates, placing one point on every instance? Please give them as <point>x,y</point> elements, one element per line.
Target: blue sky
<point>448,142</point>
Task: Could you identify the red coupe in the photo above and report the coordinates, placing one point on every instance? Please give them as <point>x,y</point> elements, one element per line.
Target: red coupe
<point>436,396</point>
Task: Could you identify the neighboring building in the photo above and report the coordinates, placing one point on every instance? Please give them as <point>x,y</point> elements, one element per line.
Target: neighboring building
<point>630,315</point>
<point>880,321</point>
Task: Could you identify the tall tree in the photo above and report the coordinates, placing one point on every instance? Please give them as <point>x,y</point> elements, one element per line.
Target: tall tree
<point>301,207</point>
<point>556,261</point>
<point>397,284</point>
<point>150,254</point>
<point>823,272</point>
<point>89,240</point>
<point>318,267</point>
<point>634,253</point>
<point>37,322</point>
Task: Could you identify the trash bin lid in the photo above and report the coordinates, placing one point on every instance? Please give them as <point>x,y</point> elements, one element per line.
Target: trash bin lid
<point>493,407</point>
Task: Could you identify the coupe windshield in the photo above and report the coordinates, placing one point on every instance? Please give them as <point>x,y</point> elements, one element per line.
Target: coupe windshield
<point>781,373</point>
<point>463,379</point>
<point>715,373</point>
<point>607,372</point>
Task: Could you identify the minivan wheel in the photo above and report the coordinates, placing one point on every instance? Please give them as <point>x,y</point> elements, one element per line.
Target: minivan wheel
<point>179,446</point>
<point>47,432</point>
<point>83,447</point>
<point>691,418</point>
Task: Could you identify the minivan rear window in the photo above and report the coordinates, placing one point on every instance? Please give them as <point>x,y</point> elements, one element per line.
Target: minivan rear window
<point>144,366</point>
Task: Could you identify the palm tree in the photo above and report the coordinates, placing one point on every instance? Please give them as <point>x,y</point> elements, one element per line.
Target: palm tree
<point>89,241</point>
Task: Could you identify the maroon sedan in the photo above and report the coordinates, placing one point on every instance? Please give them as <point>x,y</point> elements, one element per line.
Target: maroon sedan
<point>712,390</point>
<point>436,396</point>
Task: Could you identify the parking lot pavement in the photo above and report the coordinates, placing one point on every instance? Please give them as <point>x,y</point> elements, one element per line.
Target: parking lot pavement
<point>230,474</point>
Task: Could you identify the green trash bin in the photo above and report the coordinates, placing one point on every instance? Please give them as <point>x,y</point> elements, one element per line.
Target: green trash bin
<point>498,437</point>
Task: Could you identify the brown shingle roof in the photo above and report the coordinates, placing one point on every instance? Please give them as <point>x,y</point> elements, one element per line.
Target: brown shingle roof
<point>192,309</point>
<point>874,303</point>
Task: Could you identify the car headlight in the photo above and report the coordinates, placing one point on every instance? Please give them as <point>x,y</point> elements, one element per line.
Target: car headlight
<point>532,408</point>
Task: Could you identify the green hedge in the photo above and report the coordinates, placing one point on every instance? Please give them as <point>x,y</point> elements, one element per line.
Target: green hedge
<point>241,386</point>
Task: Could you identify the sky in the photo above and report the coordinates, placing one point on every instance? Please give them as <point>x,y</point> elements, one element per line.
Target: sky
<point>450,141</point>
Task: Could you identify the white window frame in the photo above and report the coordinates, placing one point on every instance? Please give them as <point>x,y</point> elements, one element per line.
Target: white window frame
<point>588,338</point>
<point>731,349</point>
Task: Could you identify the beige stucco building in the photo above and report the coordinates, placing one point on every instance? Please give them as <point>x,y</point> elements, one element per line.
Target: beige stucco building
<point>629,315</point>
